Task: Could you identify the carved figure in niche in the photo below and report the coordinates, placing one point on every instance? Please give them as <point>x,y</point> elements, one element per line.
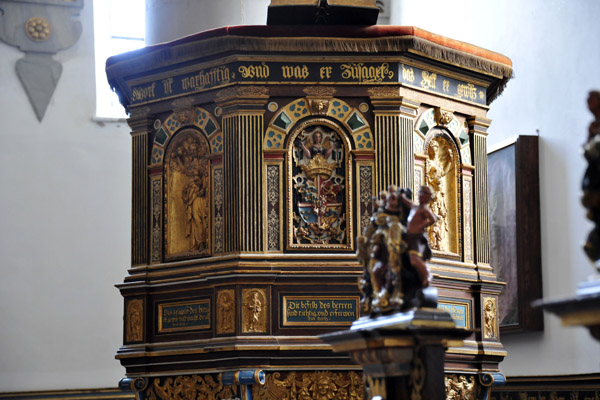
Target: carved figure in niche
<point>439,165</point>
<point>489,311</point>
<point>319,187</point>
<point>188,195</point>
<point>134,320</point>
<point>226,312</point>
<point>419,218</point>
<point>254,311</point>
<point>392,279</point>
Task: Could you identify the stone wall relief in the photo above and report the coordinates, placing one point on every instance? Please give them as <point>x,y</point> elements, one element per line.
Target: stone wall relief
<point>40,28</point>
<point>187,196</point>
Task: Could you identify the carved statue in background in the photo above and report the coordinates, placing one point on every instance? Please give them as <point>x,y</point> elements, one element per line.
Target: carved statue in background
<point>591,180</point>
<point>188,194</point>
<point>439,165</point>
<point>393,279</point>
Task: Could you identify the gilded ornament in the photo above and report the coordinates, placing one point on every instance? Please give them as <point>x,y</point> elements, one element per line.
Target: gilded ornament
<point>490,321</point>
<point>384,91</point>
<point>254,311</point>
<point>318,385</point>
<point>135,318</point>
<point>460,387</point>
<point>319,190</point>
<point>218,204</point>
<point>366,194</point>
<point>273,220</point>
<point>38,29</point>
<point>157,124</point>
<point>318,106</point>
<point>157,216</point>
<point>363,107</point>
<point>225,311</point>
<point>442,117</point>
<point>319,91</point>
<point>187,193</point>
<point>468,221</point>
<point>272,106</point>
<point>440,176</point>
<point>192,387</point>
<point>183,103</point>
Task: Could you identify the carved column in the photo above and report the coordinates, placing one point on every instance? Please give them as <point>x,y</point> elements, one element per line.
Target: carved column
<point>478,132</point>
<point>394,124</point>
<point>140,130</point>
<point>243,130</point>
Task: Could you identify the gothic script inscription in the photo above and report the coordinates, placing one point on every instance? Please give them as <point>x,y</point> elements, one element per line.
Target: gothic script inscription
<point>319,310</point>
<point>184,316</point>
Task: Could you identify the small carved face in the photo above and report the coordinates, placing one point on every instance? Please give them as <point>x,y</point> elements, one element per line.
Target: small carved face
<point>317,137</point>
<point>323,386</point>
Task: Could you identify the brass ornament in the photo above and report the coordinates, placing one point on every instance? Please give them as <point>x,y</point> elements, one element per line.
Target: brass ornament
<point>490,312</point>
<point>320,385</point>
<point>254,311</point>
<point>192,387</point>
<point>187,196</point>
<point>460,387</point>
<point>363,107</point>
<point>38,29</point>
<point>134,321</point>
<point>225,311</point>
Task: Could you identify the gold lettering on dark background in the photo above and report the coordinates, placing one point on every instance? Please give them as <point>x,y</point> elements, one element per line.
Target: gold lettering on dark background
<point>208,78</point>
<point>305,310</point>
<point>295,71</point>
<point>366,73</point>
<point>184,316</point>
<point>144,93</point>
<point>261,71</point>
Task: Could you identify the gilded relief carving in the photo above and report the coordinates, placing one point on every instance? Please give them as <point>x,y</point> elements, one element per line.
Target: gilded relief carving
<point>490,326</point>
<point>442,117</point>
<point>319,187</point>
<point>273,221</point>
<point>156,250</point>
<point>191,387</point>
<point>459,387</point>
<point>319,91</point>
<point>441,177</point>
<point>366,194</point>
<point>254,310</point>
<point>468,221</point>
<point>323,385</point>
<point>225,311</point>
<point>187,196</point>
<point>135,319</point>
<point>218,195</point>
<point>318,106</point>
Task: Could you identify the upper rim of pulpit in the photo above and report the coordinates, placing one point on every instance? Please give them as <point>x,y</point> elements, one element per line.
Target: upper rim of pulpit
<point>338,40</point>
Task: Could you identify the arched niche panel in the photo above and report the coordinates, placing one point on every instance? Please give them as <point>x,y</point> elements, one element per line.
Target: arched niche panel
<point>442,174</point>
<point>429,120</point>
<point>187,196</point>
<point>180,186</point>
<point>319,172</point>
<point>349,117</point>
<point>195,117</point>
<point>313,150</point>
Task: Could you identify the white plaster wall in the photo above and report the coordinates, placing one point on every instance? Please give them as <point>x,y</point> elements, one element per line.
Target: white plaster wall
<point>554,48</point>
<point>64,230</point>
<point>194,16</point>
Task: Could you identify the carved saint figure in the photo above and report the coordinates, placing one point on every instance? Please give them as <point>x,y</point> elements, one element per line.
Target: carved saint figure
<point>439,166</point>
<point>187,194</point>
<point>489,310</point>
<point>419,219</point>
<point>255,307</point>
<point>134,320</point>
<point>226,311</point>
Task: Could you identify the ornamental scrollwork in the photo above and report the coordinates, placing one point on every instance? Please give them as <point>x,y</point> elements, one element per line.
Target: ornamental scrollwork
<point>322,385</point>
<point>193,387</point>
